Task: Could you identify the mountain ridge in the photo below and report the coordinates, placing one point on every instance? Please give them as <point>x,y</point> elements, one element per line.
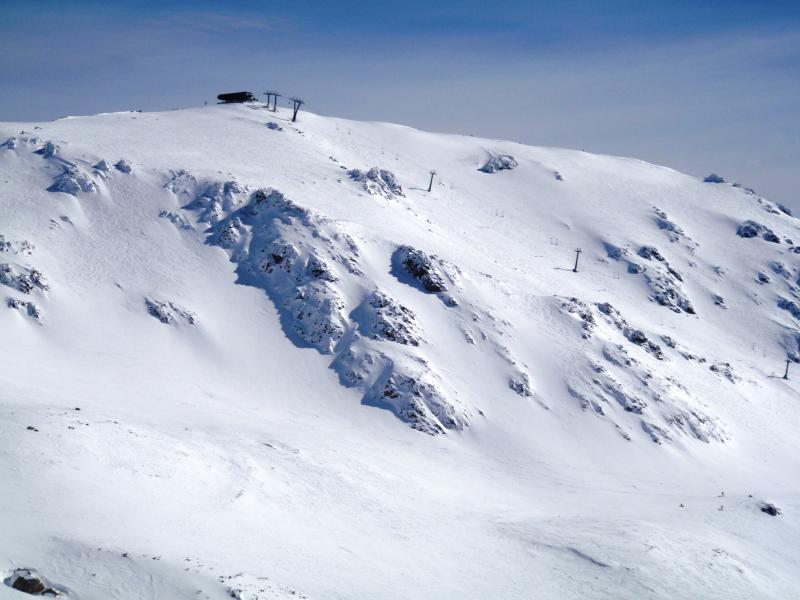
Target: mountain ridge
<point>297,282</point>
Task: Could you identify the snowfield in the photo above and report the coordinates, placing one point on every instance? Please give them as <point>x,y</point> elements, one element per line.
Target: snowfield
<point>244,357</point>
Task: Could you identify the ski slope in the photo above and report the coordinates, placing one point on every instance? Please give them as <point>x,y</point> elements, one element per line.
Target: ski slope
<point>254,358</point>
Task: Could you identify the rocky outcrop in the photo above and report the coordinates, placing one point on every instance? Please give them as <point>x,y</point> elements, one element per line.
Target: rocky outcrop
<point>22,279</point>
<point>72,181</point>
<point>499,162</point>
<point>29,581</point>
<point>306,263</point>
<point>169,312</point>
<point>430,272</point>
<point>664,281</point>
<point>378,182</point>
<point>25,306</point>
<point>383,318</point>
<point>751,229</point>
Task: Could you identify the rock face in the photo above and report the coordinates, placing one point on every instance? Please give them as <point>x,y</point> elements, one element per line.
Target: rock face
<point>499,162</point>
<point>386,319</point>
<point>378,182</point>
<point>305,263</point>
<point>428,270</point>
<point>419,402</point>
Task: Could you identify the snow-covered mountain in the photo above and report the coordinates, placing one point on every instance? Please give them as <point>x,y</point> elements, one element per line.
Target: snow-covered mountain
<point>253,358</point>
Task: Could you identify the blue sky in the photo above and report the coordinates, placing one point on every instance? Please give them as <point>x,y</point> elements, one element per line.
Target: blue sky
<point>699,86</point>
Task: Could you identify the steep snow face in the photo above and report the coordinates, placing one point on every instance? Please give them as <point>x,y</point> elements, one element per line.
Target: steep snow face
<point>236,346</point>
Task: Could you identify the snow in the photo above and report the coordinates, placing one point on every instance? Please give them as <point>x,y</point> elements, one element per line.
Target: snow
<point>251,372</point>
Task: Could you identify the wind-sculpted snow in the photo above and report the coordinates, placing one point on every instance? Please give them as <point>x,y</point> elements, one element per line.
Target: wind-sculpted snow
<point>307,263</point>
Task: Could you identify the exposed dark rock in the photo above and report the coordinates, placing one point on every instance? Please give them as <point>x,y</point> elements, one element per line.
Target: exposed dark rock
<point>417,401</point>
<point>48,150</point>
<point>673,230</point>
<point>714,178</point>
<point>521,384</point>
<point>30,582</point>
<point>169,312</point>
<point>790,306</point>
<point>615,252</point>
<point>387,319</point>
<point>425,268</point>
<point>499,162</point>
<point>378,182</point>
<point>650,252</point>
<point>24,305</point>
<point>751,229</point>
<point>725,370</point>
<point>770,509</point>
<point>22,279</point>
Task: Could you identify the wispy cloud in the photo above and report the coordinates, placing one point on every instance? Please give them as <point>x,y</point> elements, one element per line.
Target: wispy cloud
<point>220,22</point>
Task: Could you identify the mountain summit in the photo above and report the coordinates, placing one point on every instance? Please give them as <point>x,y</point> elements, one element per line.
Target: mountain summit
<point>255,358</point>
